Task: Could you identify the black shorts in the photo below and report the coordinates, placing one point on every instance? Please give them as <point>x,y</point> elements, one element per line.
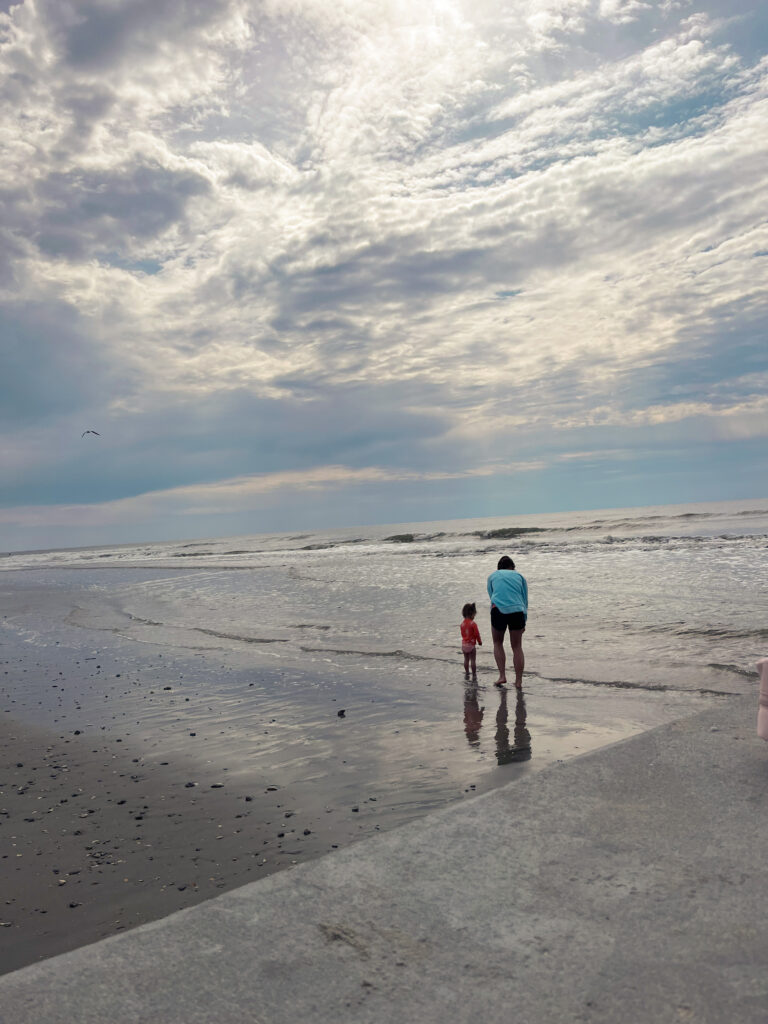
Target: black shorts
<point>500,620</point>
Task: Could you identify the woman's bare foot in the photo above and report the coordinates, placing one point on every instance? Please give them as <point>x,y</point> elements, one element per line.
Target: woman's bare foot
<point>500,682</point>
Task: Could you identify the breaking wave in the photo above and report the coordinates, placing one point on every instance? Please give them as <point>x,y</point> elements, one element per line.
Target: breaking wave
<point>710,632</point>
<point>736,669</point>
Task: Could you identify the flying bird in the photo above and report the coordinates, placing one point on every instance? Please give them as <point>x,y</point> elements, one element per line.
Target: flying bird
<point>90,432</point>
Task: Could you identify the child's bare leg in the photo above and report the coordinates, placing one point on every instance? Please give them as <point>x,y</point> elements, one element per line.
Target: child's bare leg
<point>466,664</point>
<point>473,663</point>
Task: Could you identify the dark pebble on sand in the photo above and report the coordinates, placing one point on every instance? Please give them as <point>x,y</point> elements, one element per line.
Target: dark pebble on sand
<point>248,799</point>
<point>74,904</point>
<point>307,832</point>
<point>189,785</point>
<point>355,808</point>
<point>217,785</point>
<point>341,713</point>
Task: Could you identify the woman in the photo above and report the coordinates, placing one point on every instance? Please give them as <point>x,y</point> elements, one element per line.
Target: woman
<point>508,592</point>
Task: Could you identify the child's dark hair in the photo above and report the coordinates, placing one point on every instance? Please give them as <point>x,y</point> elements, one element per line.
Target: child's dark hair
<point>469,611</point>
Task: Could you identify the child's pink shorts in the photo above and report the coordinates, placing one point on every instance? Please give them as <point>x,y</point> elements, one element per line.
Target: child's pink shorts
<point>467,648</point>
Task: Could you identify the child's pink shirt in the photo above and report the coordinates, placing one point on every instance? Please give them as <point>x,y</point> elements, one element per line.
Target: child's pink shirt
<point>470,634</point>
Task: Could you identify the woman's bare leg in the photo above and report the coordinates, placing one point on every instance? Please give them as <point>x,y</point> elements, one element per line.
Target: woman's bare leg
<point>500,656</point>
<point>518,657</point>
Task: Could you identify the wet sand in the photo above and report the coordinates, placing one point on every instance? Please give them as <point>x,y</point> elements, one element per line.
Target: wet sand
<point>139,780</point>
<point>96,839</point>
<point>119,813</point>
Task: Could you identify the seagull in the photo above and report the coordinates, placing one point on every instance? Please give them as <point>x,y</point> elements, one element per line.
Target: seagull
<point>90,432</point>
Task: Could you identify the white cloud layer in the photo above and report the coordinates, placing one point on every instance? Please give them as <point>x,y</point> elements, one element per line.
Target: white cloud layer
<point>248,241</point>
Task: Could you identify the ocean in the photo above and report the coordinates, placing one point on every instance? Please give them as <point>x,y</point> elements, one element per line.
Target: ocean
<point>660,596</point>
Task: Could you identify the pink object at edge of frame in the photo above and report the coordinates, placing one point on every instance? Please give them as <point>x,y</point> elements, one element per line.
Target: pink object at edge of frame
<point>762,708</point>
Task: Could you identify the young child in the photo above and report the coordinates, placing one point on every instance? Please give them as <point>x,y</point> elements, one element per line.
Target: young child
<point>470,635</point>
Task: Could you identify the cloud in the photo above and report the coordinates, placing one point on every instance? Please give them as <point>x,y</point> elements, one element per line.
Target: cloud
<point>236,495</point>
<point>51,366</point>
<point>163,441</point>
<point>85,214</point>
<point>262,239</point>
<point>97,34</point>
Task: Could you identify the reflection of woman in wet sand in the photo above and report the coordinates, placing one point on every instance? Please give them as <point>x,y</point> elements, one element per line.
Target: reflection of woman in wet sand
<point>521,748</point>
<point>473,715</point>
<point>522,735</point>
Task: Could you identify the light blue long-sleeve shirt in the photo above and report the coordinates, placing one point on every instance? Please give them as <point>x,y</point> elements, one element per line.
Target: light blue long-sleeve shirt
<point>508,590</point>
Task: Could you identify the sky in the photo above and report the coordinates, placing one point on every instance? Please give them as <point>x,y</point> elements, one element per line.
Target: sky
<point>305,263</point>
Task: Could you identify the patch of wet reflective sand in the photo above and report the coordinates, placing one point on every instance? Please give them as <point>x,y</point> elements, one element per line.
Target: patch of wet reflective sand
<point>138,781</point>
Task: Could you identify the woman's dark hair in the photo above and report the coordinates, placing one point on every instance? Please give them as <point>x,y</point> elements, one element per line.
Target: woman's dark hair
<point>505,562</point>
<point>469,611</point>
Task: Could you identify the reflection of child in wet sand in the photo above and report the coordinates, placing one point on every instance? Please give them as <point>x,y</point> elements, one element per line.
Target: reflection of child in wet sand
<point>473,715</point>
<point>470,637</point>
